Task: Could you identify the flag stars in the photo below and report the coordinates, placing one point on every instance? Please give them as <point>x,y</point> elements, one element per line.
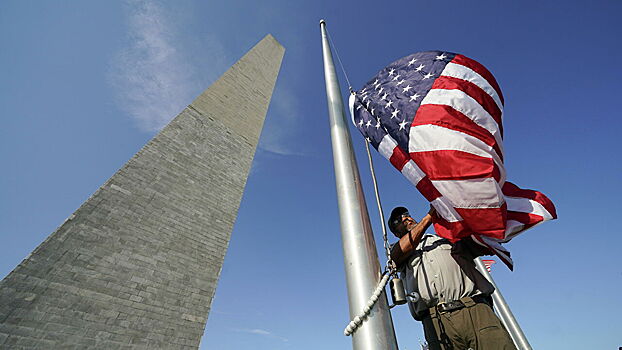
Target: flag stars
<point>411,62</point>
<point>391,72</point>
<point>408,87</point>
<point>368,124</point>
<point>403,124</point>
<point>384,97</point>
<point>388,104</point>
<point>378,125</point>
<point>361,123</point>
<point>367,104</point>
<point>441,57</point>
<point>372,111</point>
<point>380,91</point>
<point>396,77</point>
<point>394,113</point>
<point>400,82</point>
<point>414,97</point>
<point>428,76</point>
<point>418,69</point>
<point>359,107</point>
<point>365,97</point>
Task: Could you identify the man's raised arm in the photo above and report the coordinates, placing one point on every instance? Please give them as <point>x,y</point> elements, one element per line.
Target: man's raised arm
<point>402,250</point>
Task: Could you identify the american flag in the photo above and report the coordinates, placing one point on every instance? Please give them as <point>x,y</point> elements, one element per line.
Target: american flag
<point>488,264</point>
<point>437,117</point>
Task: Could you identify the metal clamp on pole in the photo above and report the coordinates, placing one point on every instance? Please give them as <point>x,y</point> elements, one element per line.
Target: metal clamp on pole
<point>398,295</point>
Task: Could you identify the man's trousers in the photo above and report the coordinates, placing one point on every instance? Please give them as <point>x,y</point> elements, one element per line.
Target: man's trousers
<point>474,326</point>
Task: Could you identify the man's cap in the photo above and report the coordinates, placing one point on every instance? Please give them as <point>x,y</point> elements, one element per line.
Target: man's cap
<point>396,218</point>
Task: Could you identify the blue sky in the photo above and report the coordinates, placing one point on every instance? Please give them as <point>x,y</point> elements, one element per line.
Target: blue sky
<point>85,84</point>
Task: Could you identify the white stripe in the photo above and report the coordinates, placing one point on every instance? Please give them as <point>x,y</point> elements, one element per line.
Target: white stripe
<point>465,104</point>
<point>512,228</point>
<point>424,138</point>
<point>412,172</point>
<point>386,146</point>
<point>465,73</point>
<point>445,210</point>
<point>526,205</point>
<point>471,193</point>
<point>351,103</point>
<point>477,241</point>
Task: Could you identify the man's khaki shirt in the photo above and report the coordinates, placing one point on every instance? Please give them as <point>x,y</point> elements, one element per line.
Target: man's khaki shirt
<point>441,272</point>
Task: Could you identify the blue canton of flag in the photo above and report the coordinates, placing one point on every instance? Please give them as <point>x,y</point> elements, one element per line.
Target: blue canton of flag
<point>388,103</point>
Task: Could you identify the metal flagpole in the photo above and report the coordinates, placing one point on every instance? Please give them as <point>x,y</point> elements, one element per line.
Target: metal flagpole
<point>505,314</point>
<point>359,249</point>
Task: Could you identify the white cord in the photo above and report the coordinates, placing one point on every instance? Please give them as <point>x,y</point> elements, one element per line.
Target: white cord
<point>358,320</point>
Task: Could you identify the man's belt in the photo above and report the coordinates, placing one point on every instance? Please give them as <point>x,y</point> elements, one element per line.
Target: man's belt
<point>457,304</point>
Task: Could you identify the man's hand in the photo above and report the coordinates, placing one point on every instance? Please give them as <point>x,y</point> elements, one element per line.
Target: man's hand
<point>432,211</point>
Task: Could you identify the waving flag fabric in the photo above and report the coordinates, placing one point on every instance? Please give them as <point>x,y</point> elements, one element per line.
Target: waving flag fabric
<point>437,117</point>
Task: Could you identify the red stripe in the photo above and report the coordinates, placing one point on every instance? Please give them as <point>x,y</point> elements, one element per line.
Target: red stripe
<point>399,158</point>
<point>525,218</point>
<point>450,118</point>
<point>455,165</point>
<point>453,231</point>
<point>481,70</point>
<point>475,92</point>
<point>427,189</point>
<point>489,222</point>
<point>510,189</point>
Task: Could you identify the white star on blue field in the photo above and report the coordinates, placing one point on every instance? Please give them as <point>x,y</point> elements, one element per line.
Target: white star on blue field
<point>86,84</point>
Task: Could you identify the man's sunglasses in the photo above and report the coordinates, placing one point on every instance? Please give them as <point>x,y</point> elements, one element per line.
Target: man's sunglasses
<point>398,221</point>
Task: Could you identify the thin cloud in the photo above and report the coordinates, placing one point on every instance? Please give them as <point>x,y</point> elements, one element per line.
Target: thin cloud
<point>262,332</point>
<point>155,76</point>
<point>152,79</point>
<point>282,134</point>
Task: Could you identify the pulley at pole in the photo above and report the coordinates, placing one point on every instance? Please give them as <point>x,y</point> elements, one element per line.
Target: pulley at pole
<point>359,249</point>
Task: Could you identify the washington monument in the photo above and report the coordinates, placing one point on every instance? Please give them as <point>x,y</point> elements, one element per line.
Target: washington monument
<point>136,266</point>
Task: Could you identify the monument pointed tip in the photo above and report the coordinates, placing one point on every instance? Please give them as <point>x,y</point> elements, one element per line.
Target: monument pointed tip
<point>269,37</point>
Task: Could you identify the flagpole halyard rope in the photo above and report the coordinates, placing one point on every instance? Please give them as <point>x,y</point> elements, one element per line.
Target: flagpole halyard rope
<point>390,268</point>
<point>332,43</point>
<point>390,264</point>
<point>358,320</point>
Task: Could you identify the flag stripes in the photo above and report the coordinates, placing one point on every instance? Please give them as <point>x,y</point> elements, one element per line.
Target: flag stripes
<point>466,105</point>
<point>487,102</point>
<point>480,70</point>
